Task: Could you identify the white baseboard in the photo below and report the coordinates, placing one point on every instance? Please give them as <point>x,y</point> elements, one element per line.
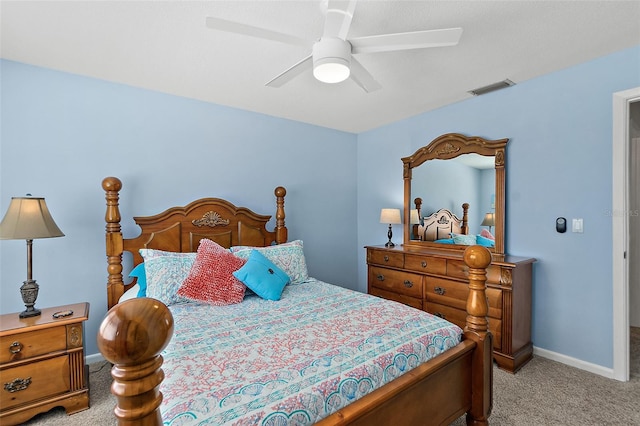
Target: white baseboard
<point>90,359</point>
<point>574,362</point>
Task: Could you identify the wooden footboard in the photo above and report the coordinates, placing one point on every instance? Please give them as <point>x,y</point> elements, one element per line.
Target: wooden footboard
<point>135,332</point>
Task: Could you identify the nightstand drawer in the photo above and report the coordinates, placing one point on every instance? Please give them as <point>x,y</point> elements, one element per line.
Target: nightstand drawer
<point>426,264</point>
<point>386,258</point>
<point>396,281</point>
<point>34,381</point>
<point>21,346</point>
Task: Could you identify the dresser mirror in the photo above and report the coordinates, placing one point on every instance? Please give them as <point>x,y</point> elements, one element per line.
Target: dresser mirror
<point>439,179</point>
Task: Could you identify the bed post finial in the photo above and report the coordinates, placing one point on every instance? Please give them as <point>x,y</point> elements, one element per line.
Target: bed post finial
<point>478,258</point>
<point>114,243</point>
<point>131,337</point>
<point>281,229</point>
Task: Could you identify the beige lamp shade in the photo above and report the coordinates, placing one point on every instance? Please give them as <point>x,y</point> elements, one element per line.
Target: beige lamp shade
<point>390,216</point>
<point>28,218</point>
<point>489,220</point>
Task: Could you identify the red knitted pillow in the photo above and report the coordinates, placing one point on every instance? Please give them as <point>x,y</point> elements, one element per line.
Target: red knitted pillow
<point>210,279</point>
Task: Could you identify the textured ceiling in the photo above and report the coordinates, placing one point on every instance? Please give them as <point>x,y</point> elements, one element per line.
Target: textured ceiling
<point>165,46</point>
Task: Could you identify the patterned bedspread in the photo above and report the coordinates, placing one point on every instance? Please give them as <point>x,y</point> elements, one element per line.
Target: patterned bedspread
<point>292,361</point>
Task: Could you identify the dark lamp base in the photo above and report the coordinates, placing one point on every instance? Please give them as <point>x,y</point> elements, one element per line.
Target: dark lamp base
<point>30,313</point>
<point>389,244</point>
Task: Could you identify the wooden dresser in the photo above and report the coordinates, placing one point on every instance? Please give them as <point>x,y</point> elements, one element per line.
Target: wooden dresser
<point>42,363</point>
<point>437,281</point>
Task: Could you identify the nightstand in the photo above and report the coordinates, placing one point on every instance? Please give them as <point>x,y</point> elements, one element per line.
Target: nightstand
<point>42,363</point>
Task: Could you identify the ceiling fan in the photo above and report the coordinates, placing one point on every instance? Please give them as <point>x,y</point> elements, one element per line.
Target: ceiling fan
<point>331,57</point>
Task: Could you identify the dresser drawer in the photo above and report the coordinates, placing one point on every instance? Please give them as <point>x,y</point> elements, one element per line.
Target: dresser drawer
<point>31,382</point>
<point>458,269</point>
<point>425,264</point>
<point>32,343</point>
<point>389,295</point>
<point>396,281</point>
<point>459,318</point>
<point>385,258</point>
<point>455,294</point>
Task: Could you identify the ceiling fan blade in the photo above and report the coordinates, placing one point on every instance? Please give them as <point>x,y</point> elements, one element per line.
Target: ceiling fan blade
<point>293,71</point>
<point>251,31</point>
<point>362,77</point>
<point>338,20</point>
<point>405,41</point>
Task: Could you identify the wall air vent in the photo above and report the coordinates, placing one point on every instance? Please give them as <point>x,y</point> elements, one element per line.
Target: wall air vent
<point>492,87</point>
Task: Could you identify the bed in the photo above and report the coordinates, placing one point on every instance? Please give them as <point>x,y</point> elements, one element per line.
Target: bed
<point>315,353</point>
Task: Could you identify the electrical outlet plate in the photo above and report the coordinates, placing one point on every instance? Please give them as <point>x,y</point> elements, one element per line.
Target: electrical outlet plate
<point>577,225</point>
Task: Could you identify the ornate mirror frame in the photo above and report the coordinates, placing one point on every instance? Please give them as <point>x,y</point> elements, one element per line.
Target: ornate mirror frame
<point>448,146</point>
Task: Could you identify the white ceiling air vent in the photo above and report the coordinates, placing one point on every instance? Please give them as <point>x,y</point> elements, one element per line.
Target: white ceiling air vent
<point>492,87</point>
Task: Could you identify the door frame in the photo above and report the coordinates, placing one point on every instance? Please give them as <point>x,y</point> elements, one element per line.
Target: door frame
<point>620,227</point>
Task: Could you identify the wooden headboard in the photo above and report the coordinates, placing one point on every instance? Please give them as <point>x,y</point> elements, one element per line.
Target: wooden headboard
<point>180,229</point>
<point>440,224</point>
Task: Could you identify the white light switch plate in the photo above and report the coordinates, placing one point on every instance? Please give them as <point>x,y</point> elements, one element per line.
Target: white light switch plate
<point>577,225</point>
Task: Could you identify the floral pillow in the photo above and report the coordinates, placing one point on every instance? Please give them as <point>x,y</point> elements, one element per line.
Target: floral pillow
<point>287,256</point>
<point>165,271</point>
<point>211,278</point>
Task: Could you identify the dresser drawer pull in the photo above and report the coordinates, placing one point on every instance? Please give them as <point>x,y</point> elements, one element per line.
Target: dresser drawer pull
<point>15,347</point>
<point>380,277</point>
<point>408,284</point>
<point>424,263</point>
<point>439,290</point>
<point>440,315</point>
<point>17,385</point>
<point>386,258</point>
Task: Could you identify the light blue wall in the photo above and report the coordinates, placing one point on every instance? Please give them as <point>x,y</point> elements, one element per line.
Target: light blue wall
<point>62,134</point>
<point>558,164</point>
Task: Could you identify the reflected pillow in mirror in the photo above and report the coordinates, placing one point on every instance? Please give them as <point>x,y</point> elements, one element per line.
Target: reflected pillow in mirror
<point>465,240</point>
<point>485,242</point>
<point>486,234</point>
<point>445,241</point>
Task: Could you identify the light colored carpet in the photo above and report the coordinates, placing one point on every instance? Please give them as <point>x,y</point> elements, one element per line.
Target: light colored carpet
<point>543,392</point>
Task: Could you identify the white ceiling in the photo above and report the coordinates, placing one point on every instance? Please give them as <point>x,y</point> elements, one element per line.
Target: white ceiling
<point>165,46</point>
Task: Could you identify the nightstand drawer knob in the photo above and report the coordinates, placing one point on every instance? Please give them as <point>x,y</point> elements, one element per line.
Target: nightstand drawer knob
<point>386,258</point>
<point>380,277</point>
<point>439,290</point>
<point>17,385</point>
<point>408,284</point>
<point>424,263</point>
<point>15,347</point>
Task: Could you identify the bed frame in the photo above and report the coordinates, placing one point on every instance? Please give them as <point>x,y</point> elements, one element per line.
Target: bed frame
<point>134,332</point>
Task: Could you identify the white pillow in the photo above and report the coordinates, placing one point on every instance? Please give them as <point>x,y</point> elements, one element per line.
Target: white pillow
<point>132,293</point>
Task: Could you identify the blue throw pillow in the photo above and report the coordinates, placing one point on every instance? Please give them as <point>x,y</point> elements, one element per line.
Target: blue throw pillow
<point>485,242</point>
<point>445,241</point>
<point>263,277</point>
<point>139,273</point>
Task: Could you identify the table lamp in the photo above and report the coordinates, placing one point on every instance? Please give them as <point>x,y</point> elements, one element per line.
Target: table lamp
<point>28,218</point>
<point>392,217</point>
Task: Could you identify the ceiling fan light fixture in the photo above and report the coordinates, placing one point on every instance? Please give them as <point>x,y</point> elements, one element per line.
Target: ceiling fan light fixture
<point>331,60</point>
<point>331,70</point>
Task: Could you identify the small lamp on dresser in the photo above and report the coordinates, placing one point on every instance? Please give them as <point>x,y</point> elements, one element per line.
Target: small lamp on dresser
<point>28,218</point>
<point>392,217</point>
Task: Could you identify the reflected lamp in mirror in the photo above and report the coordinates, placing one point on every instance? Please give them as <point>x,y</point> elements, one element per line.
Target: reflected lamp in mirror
<point>392,217</point>
<point>489,220</point>
<point>28,218</point>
